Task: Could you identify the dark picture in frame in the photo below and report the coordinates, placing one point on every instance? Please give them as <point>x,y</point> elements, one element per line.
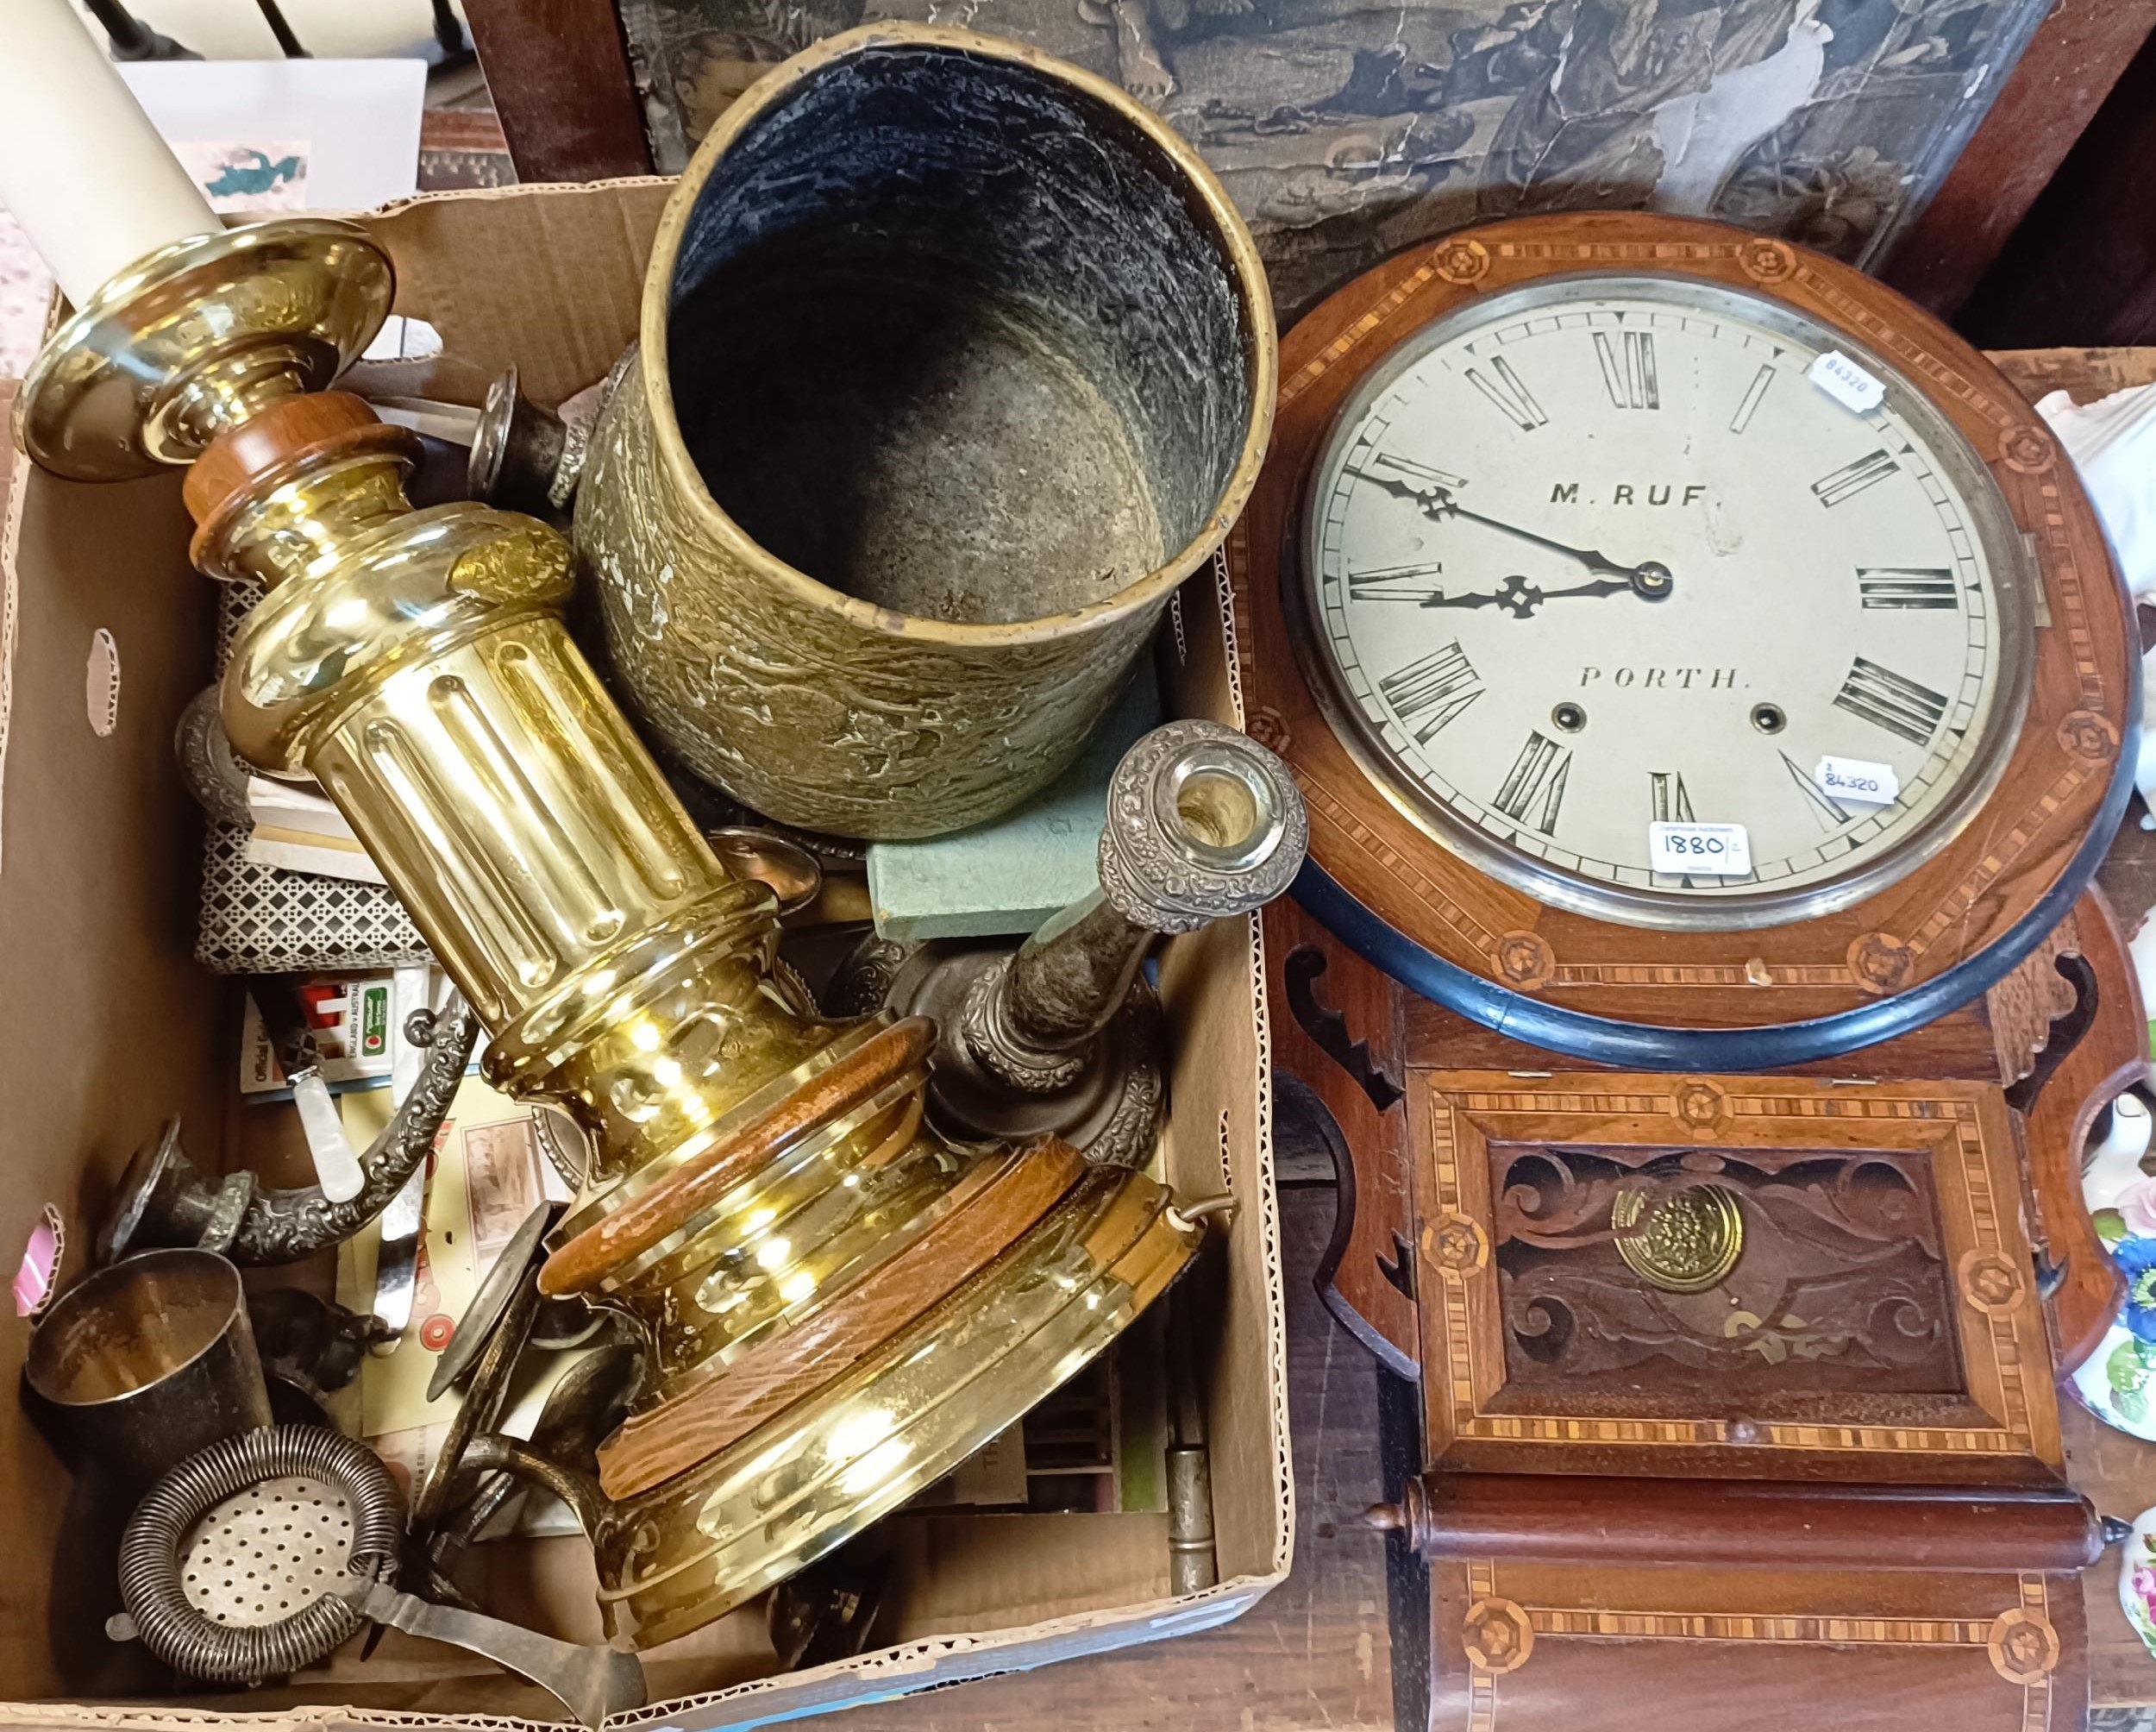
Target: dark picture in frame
<point>1346,131</point>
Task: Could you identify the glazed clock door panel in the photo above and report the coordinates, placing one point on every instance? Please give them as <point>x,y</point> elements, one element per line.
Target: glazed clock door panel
<point>1692,656</point>
<point>1757,1277</point>
<point>1593,556</point>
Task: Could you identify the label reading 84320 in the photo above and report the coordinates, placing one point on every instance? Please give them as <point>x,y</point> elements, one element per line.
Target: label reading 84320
<point>1847,383</point>
<point>1709,851</point>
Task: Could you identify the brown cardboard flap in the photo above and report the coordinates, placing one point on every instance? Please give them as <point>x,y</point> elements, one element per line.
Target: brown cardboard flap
<point>961,1572</point>
<point>107,1024</point>
<point>548,278</point>
<point>1212,984</point>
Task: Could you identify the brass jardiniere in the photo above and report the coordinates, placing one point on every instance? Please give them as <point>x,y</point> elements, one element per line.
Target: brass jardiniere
<point>954,362</point>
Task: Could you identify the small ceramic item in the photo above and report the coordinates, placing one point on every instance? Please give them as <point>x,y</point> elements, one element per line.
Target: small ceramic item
<point>2111,1174</point>
<point>2140,949</point>
<point>2111,441</point>
<point>2115,1382</point>
<point>2137,1578</point>
<point>2145,757</point>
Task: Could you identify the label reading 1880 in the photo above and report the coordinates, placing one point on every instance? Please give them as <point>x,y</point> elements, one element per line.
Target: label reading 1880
<point>1699,850</point>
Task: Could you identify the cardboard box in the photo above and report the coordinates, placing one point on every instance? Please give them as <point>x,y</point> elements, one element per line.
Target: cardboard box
<point>107,1024</point>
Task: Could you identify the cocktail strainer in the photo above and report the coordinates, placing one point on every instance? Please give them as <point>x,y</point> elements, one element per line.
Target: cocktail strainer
<point>227,1565</point>
<point>264,1553</point>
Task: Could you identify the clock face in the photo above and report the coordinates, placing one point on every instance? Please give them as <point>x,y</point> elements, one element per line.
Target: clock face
<point>1600,579</point>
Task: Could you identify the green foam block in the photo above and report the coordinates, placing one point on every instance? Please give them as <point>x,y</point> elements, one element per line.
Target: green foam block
<point>1005,877</point>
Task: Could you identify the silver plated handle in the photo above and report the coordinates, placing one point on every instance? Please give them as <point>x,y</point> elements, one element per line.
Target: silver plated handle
<point>591,1682</point>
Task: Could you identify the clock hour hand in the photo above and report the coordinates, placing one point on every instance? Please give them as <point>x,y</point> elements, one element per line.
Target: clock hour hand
<point>1520,597</point>
<point>1651,580</point>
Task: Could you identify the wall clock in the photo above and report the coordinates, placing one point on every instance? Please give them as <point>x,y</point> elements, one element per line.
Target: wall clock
<point>1694,655</point>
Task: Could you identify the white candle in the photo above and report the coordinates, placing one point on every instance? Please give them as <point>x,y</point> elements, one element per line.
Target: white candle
<point>81,168</point>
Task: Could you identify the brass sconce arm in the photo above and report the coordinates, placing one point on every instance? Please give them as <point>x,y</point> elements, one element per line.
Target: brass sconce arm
<point>163,1200</point>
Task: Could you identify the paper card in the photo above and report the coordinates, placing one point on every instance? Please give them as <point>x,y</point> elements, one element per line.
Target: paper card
<point>486,1179</point>
<point>350,1021</point>
<point>1699,850</point>
<point>1855,782</point>
<point>1844,381</point>
<point>994,1474</point>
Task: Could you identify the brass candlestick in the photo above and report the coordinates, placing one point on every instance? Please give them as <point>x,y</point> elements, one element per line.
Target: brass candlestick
<point>751,1158</point>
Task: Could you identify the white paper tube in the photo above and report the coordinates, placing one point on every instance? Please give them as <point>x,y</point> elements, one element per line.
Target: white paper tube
<point>81,168</point>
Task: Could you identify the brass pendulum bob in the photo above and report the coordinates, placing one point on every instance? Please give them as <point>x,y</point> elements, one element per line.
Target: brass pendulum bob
<point>416,664</point>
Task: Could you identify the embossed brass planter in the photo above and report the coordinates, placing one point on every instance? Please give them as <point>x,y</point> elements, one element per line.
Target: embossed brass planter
<point>954,362</point>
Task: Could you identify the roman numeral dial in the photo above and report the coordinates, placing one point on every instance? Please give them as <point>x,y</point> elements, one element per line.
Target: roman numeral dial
<point>1597,552</point>
<point>1828,814</point>
<point>1750,403</point>
<point>1430,694</point>
<point>1533,788</point>
<point>1396,583</point>
<point>1890,700</point>
<point>1498,382</point>
<point>1670,803</point>
<point>1885,587</point>
<point>1841,485</point>
<point>1627,359</point>
<point>1406,475</point>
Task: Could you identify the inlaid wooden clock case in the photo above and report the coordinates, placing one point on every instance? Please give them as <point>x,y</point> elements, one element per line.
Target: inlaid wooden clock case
<point>1660,1543</point>
<point>1919,1580</point>
<point>2052,1044</point>
<point>1663,998</point>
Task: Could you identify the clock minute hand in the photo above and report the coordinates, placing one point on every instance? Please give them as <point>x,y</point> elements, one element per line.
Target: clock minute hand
<point>1650,579</point>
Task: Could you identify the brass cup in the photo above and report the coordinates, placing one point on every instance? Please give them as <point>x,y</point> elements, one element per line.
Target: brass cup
<point>954,362</point>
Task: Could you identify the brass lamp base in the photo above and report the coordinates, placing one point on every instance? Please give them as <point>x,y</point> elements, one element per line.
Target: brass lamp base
<point>826,1466</point>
